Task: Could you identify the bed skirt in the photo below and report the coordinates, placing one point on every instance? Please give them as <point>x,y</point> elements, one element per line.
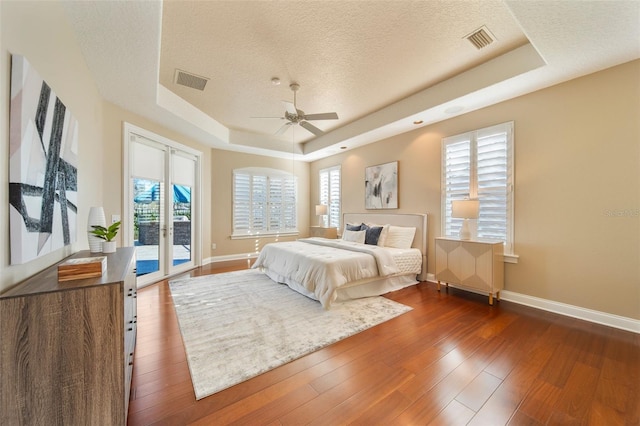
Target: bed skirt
<point>355,290</point>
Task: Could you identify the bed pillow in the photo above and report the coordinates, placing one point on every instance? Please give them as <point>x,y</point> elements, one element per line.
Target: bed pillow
<point>354,236</point>
<point>372,234</point>
<point>383,233</point>
<point>400,237</point>
<point>352,227</point>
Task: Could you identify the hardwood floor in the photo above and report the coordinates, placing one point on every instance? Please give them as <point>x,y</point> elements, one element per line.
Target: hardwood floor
<point>452,360</point>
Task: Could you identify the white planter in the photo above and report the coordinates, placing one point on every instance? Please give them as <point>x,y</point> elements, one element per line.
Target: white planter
<point>108,246</point>
<point>96,217</point>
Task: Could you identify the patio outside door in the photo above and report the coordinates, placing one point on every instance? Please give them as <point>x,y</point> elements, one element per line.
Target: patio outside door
<point>162,200</point>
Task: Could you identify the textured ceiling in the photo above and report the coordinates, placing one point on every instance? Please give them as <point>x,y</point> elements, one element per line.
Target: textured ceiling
<point>350,57</point>
<point>379,64</point>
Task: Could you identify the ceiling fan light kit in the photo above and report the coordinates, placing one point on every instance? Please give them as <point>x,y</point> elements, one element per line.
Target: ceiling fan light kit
<point>293,115</point>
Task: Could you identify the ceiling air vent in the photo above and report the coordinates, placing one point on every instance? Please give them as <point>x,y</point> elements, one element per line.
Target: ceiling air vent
<point>190,80</point>
<point>480,38</point>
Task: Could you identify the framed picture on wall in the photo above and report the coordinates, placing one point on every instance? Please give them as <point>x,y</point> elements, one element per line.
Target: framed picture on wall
<point>43,187</point>
<point>381,186</point>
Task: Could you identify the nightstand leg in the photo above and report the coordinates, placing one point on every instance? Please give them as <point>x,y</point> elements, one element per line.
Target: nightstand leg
<point>498,295</point>
<point>491,298</point>
<point>438,286</point>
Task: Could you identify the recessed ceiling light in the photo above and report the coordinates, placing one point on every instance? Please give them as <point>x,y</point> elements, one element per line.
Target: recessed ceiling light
<point>418,122</point>
<point>275,81</point>
<point>343,147</point>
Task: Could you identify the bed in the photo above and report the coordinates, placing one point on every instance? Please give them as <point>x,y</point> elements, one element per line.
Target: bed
<point>332,271</point>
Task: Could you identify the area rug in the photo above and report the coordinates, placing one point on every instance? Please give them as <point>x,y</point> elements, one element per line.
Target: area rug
<point>237,325</point>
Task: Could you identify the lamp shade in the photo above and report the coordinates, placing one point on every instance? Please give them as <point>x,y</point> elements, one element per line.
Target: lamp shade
<point>465,209</point>
<point>321,209</point>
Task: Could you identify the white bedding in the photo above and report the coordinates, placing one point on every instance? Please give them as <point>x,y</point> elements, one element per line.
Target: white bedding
<point>322,266</point>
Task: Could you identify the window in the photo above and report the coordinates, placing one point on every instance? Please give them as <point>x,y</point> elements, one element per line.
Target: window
<point>479,165</point>
<point>264,202</point>
<point>330,195</point>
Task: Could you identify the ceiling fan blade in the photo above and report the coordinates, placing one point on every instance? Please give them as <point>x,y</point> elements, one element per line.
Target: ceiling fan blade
<point>291,109</point>
<point>310,127</point>
<point>282,129</point>
<point>323,116</point>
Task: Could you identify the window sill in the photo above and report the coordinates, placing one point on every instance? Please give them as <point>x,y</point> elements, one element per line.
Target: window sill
<point>264,235</point>
<point>510,258</point>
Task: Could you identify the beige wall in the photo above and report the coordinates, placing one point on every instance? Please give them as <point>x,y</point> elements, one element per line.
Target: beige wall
<point>39,31</point>
<point>222,165</point>
<point>577,183</point>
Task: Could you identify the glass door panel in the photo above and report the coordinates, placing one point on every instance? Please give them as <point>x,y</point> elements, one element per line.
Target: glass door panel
<point>181,224</point>
<point>146,222</point>
<point>183,178</point>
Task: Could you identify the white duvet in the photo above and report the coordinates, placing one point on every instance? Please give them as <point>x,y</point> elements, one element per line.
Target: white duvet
<point>321,265</point>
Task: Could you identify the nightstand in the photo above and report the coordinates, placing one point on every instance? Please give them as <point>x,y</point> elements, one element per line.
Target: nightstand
<point>476,265</point>
<point>319,231</point>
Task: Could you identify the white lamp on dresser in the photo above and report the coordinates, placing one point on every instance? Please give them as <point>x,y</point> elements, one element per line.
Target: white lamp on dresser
<point>321,210</point>
<point>465,209</point>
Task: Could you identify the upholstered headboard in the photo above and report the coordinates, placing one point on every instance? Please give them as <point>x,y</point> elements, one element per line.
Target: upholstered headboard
<point>418,221</point>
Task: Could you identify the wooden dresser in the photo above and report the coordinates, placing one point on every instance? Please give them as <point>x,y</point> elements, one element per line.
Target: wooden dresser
<point>67,347</point>
<point>475,265</point>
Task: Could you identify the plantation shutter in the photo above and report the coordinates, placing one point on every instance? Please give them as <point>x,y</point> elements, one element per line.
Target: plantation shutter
<point>264,201</point>
<point>494,183</point>
<point>242,203</point>
<point>330,194</point>
<point>289,210</point>
<point>334,197</point>
<point>276,211</point>
<point>258,203</point>
<point>479,165</point>
<point>456,169</point>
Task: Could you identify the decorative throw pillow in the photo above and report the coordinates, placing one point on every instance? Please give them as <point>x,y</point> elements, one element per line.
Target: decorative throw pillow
<point>383,233</point>
<point>351,227</point>
<point>372,234</point>
<point>400,237</point>
<point>354,236</point>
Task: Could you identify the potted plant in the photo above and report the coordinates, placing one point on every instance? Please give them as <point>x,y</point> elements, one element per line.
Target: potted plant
<point>107,234</point>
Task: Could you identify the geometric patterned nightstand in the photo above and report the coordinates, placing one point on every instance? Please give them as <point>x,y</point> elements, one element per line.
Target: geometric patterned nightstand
<point>472,264</point>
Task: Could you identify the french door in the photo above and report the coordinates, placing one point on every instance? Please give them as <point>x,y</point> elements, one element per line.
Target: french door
<point>162,200</point>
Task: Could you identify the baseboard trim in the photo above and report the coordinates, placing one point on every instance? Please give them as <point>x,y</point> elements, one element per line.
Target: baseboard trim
<point>229,257</point>
<point>598,317</point>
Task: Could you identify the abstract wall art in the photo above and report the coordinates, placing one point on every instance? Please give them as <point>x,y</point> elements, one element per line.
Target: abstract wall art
<point>381,186</point>
<point>43,147</point>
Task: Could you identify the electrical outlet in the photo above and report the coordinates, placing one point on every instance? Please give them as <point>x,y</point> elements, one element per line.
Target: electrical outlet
<point>213,246</point>
<point>115,218</point>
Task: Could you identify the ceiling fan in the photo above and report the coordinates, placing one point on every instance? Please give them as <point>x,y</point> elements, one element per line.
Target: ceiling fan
<point>293,115</point>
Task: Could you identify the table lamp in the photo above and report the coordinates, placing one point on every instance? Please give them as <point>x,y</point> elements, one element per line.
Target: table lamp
<point>321,210</point>
<point>465,209</point>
